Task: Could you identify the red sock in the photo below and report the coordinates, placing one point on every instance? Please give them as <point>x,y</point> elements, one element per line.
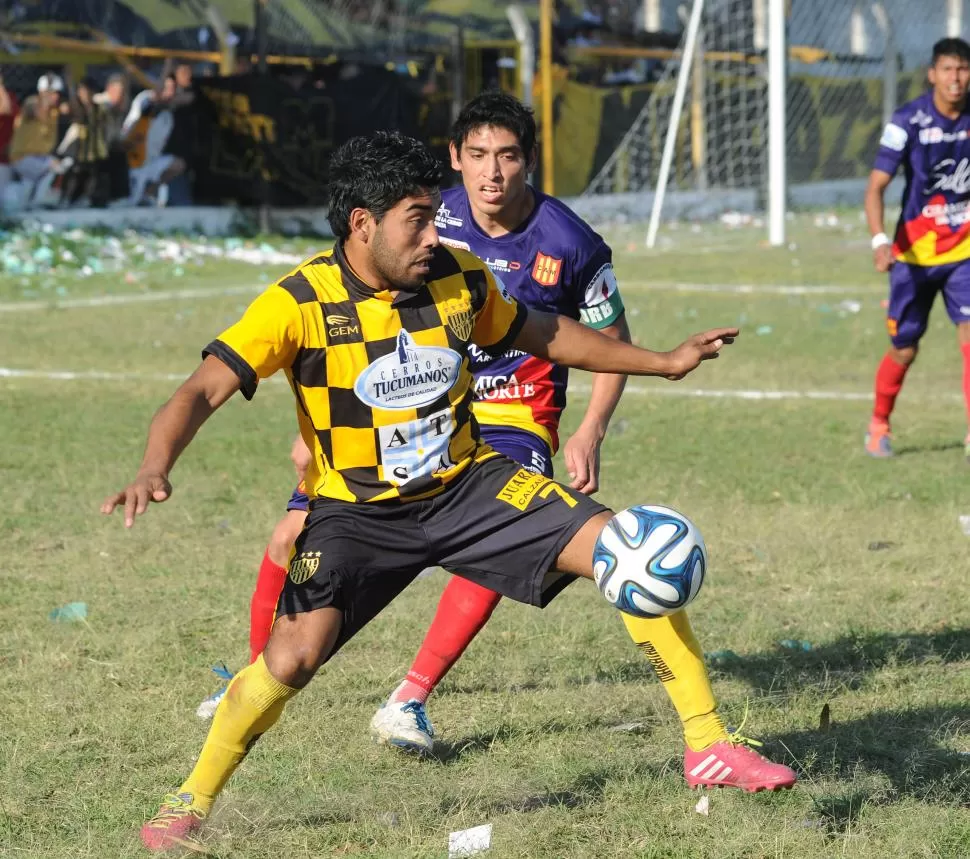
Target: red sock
<point>965,349</point>
<point>889,382</point>
<point>463,610</point>
<point>262,607</point>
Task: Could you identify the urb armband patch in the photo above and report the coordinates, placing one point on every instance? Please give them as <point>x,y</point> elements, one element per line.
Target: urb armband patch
<point>602,302</point>
<point>894,137</point>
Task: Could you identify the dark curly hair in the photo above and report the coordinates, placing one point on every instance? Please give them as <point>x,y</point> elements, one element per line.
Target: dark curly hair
<point>375,172</point>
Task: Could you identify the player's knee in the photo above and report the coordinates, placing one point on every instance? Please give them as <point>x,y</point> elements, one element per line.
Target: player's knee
<point>300,643</point>
<point>905,355</point>
<point>292,662</point>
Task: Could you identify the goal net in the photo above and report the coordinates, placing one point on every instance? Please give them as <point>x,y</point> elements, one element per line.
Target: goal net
<point>845,73</point>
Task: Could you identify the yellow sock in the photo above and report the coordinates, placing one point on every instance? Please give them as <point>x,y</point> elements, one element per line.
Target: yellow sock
<point>673,651</point>
<point>252,704</point>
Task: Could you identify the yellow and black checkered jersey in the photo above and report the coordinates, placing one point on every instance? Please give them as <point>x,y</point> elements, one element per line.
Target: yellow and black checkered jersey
<point>382,384</point>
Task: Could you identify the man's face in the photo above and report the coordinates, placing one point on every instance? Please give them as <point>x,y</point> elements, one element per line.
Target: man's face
<point>183,76</point>
<point>403,241</point>
<point>115,91</point>
<point>950,77</point>
<point>168,89</point>
<point>493,169</point>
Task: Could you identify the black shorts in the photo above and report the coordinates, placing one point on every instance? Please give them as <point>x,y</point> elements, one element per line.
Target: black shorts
<point>498,525</point>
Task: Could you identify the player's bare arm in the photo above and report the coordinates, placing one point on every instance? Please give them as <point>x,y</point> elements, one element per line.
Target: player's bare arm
<point>173,427</point>
<point>882,253</point>
<point>581,451</point>
<point>300,456</point>
<point>565,341</point>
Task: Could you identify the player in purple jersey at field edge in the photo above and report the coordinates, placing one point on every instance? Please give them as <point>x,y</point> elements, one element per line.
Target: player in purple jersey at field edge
<point>930,138</point>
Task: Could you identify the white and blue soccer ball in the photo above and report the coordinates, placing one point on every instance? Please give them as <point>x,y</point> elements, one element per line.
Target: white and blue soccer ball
<point>649,561</point>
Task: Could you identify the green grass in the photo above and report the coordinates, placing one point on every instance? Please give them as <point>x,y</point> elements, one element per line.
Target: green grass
<point>808,539</point>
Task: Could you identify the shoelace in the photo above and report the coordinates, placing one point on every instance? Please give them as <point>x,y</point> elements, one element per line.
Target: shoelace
<point>173,808</point>
<point>222,671</point>
<point>416,709</point>
<point>736,738</point>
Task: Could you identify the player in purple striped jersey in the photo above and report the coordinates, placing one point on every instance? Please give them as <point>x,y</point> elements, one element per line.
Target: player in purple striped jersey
<point>929,138</point>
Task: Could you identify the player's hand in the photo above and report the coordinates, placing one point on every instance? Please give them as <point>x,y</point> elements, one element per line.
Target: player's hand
<point>135,497</point>
<point>882,258</point>
<point>300,456</point>
<point>701,347</point>
<point>582,455</point>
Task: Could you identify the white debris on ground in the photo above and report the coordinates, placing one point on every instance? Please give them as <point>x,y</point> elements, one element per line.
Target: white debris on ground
<point>40,255</point>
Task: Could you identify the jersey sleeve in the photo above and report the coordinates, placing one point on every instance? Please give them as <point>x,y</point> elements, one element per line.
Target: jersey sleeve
<point>595,289</point>
<point>500,319</point>
<point>264,340</point>
<point>894,144</point>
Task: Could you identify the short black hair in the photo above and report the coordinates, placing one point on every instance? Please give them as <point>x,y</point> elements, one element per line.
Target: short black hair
<point>375,172</point>
<point>502,110</point>
<point>951,48</point>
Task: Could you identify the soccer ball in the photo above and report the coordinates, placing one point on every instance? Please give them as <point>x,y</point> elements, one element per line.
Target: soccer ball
<point>649,561</point>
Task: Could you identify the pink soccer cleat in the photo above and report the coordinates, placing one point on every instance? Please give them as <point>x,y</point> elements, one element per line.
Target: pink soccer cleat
<point>731,763</point>
<point>878,441</point>
<point>175,821</point>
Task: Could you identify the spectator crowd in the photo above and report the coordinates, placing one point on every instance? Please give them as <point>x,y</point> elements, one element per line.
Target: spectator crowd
<point>80,144</point>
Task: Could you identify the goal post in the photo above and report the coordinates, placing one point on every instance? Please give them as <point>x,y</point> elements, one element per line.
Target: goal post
<point>764,106</point>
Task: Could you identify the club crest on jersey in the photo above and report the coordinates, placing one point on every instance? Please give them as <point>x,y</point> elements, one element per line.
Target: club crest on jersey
<point>459,315</point>
<point>408,377</point>
<point>546,269</point>
<point>304,566</point>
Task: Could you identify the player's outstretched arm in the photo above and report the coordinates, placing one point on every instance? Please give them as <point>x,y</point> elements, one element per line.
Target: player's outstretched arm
<point>565,341</point>
<point>171,430</point>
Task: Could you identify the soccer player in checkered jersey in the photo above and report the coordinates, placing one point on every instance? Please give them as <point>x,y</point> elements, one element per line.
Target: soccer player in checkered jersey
<point>399,479</point>
<point>549,259</point>
<point>930,253</point>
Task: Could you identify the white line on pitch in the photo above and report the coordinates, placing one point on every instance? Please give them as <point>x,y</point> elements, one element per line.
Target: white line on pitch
<point>732,394</point>
<point>751,289</point>
<point>126,298</point>
<point>632,388</point>
<point>88,375</point>
<point>192,294</point>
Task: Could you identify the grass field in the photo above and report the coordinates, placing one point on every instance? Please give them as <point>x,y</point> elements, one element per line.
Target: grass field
<point>553,728</point>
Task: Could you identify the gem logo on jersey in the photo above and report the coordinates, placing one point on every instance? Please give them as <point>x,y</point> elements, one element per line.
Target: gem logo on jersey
<point>340,326</point>
<point>409,377</point>
<point>546,269</point>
